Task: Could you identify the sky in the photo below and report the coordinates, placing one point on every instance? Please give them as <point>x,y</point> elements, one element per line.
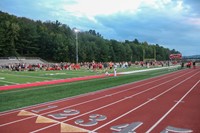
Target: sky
<point>173,24</point>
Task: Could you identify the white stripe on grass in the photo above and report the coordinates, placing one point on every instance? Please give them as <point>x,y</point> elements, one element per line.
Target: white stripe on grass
<point>8,82</point>
<point>29,76</point>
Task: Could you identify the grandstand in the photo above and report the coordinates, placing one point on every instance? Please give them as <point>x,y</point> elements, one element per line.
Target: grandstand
<point>27,60</point>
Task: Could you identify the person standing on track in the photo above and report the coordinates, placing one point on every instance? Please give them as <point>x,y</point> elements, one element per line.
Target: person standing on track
<point>182,65</point>
<point>194,64</point>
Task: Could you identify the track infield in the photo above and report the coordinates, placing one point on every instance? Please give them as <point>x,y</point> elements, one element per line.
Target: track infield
<point>168,103</point>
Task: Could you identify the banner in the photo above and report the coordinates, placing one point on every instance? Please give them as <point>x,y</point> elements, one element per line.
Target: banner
<point>175,56</point>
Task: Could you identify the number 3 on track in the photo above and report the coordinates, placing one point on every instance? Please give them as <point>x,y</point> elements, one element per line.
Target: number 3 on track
<point>93,120</point>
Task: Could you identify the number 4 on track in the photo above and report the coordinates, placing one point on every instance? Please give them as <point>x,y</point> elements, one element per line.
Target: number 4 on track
<point>126,128</point>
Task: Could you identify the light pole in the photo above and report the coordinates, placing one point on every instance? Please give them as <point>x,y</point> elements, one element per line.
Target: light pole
<point>143,54</point>
<point>76,32</point>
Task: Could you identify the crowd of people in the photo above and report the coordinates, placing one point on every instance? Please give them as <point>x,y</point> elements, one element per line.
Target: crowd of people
<point>86,65</point>
<point>89,65</point>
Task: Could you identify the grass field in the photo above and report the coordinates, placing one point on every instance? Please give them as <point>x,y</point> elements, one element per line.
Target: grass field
<point>13,99</point>
<point>15,77</point>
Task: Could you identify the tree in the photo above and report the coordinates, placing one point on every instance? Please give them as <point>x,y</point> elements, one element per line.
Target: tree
<point>136,41</point>
<point>11,35</point>
<point>55,42</point>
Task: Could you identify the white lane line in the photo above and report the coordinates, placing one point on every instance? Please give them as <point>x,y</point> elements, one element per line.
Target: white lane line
<point>102,107</point>
<point>82,95</point>
<point>85,102</point>
<point>166,114</point>
<point>143,104</point>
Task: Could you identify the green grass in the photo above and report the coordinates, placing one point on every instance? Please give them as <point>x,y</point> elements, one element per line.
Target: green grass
<point>11,77</point>
<point>12,99</point>
<point>15,77</point>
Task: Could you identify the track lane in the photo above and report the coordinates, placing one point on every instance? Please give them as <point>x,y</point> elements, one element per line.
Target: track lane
<point>151,111</point>
<point>184,114</point>
<point>121,88</point>
<point>104,110</point>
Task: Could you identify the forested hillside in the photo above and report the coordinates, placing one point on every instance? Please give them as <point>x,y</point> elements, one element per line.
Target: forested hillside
<point>55,41</point>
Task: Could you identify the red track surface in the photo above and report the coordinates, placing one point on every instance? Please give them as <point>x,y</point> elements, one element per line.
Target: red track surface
<point>152,105</point>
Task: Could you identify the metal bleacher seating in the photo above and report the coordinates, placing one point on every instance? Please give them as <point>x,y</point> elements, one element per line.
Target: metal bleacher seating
<point>27,60</point>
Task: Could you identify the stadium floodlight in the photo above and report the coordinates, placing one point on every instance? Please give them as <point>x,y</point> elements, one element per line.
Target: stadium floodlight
<point>76,32</point>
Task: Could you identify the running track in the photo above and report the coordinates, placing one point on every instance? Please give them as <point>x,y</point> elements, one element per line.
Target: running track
<point>168,103</point>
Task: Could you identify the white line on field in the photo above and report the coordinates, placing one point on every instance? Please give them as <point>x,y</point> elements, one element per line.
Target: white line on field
<point>29,76</point>
<point>8,82</point>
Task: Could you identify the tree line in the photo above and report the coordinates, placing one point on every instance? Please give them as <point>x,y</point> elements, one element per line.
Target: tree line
<point>56,42</point>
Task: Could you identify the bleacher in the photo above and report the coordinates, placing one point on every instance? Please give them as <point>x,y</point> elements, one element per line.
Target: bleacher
<point>27,60</point>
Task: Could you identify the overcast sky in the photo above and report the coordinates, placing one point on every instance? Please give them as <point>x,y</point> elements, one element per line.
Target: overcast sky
<point>173,24</point>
